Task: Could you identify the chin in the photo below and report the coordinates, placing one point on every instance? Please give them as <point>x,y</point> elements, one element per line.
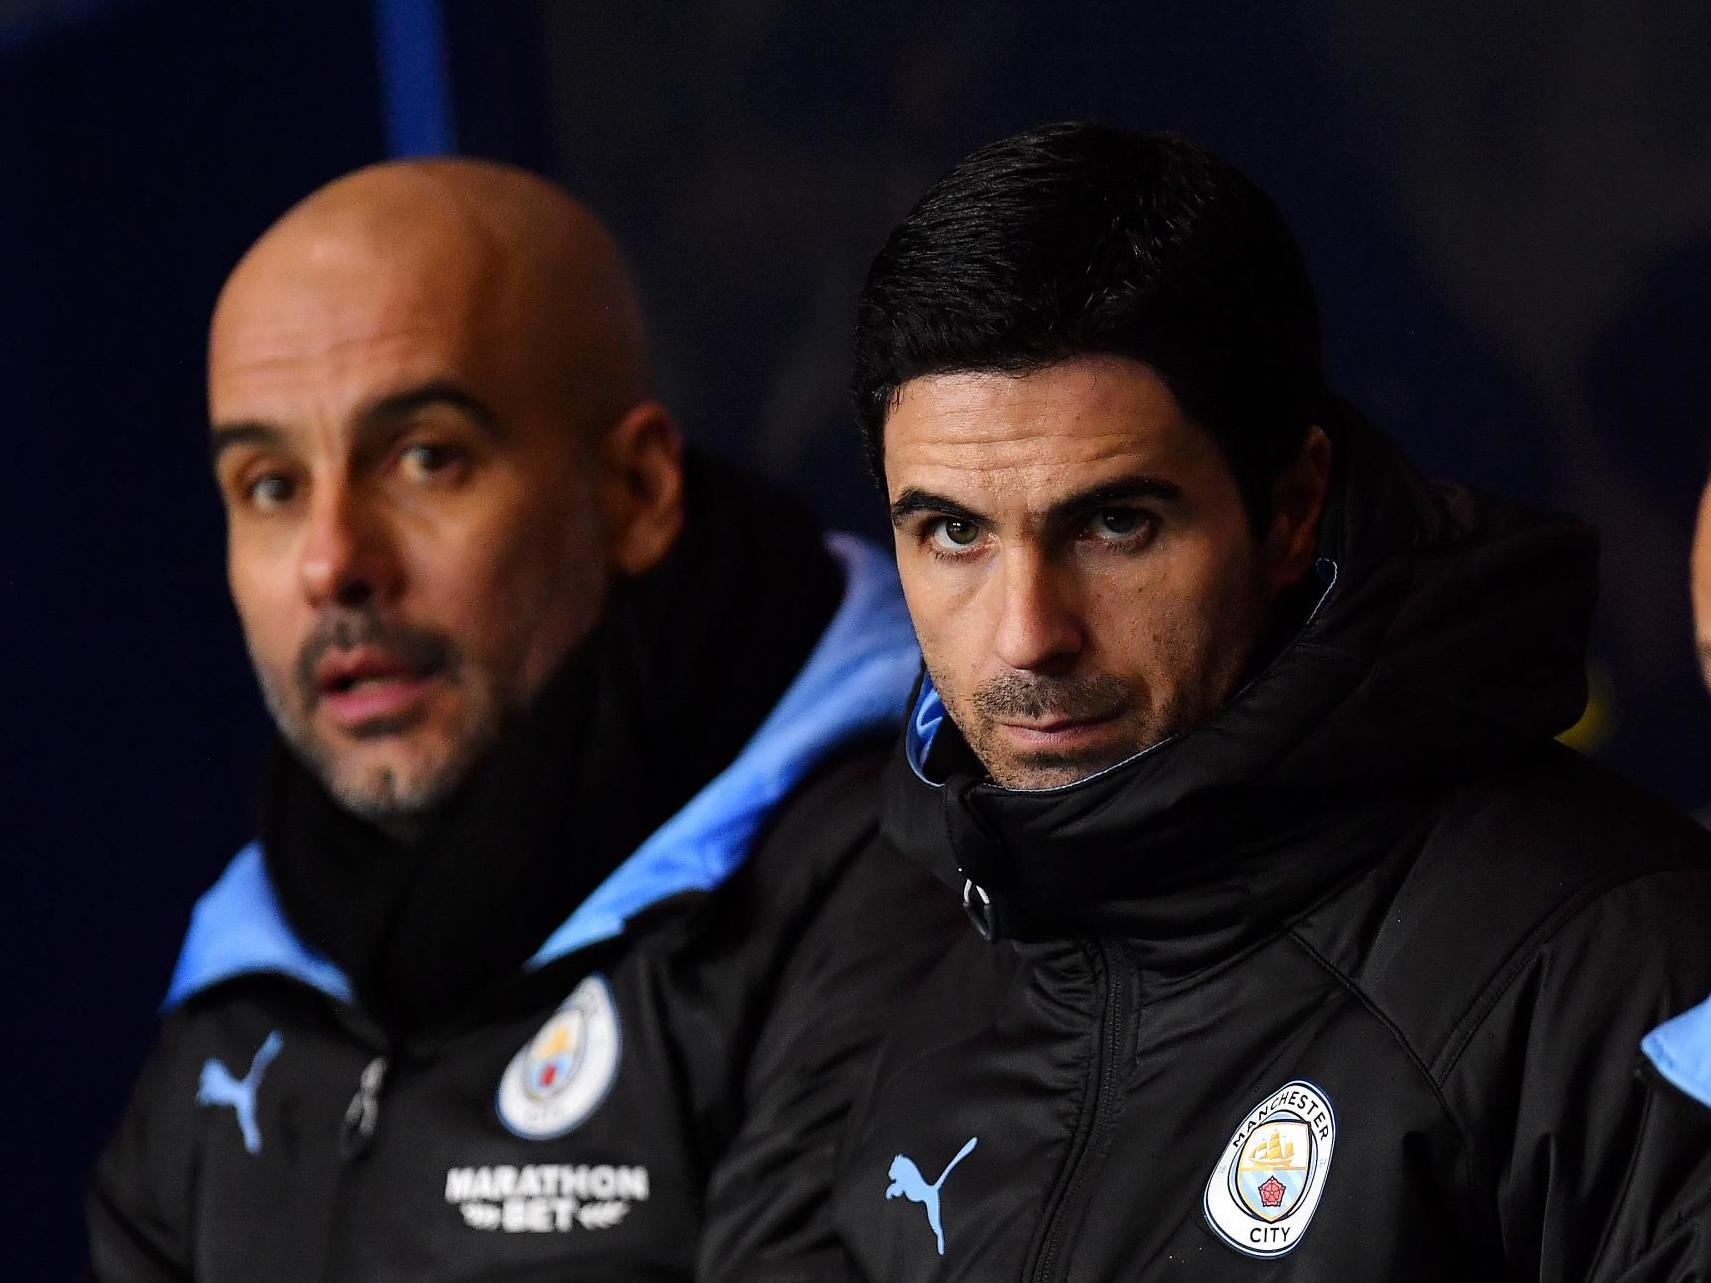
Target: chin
<point>392,786</point>
<point>1030,777</point>
<point>1046,768</point>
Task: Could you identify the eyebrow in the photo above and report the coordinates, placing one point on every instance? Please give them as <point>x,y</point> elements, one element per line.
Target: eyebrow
<point>228,436</point>
<point>1122,490</point>
<point>1106,494</point>
<point>914,500</point>
<point>441,393</point>
<point>372,419</point>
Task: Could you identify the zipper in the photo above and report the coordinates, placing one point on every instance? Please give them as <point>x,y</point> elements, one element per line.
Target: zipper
<point>362,1115</point>
<point>356,1136</point>
<point>1096,1125</point>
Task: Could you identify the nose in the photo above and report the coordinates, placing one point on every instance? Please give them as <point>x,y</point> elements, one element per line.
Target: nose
<point>348,556</point>
<point>1039,627</point>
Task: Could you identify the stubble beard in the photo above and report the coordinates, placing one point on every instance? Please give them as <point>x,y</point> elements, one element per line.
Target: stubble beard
<point>1145,715</point>
<point>1033,697</point>
<point>1205,677</point>
<point>397,791</point>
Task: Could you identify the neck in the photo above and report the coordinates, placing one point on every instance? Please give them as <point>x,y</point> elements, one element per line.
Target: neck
<point>407,828</point>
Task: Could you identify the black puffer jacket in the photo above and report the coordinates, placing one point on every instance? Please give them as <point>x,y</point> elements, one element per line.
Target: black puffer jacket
<point>611,1110</point>
<point>1348,984</point>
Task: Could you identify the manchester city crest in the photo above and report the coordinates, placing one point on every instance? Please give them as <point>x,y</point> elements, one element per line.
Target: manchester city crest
<point>564,1072</point>
<point>1267,1182</point>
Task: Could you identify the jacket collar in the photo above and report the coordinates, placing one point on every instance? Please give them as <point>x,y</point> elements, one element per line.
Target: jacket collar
<point>853,684</point>
<point>1448,638</point>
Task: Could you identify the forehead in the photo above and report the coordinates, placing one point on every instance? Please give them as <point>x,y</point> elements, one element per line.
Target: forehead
<point>1046,432</point>
<point>333,325</point>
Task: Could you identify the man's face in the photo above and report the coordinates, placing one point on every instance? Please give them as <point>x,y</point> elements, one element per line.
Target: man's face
<point>1701,585</point>
<point>1075,554</point>
<point>414,540</point>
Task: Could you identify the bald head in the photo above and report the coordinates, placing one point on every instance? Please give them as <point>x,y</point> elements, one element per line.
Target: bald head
<point>435,443</point>
<point>497,253</point>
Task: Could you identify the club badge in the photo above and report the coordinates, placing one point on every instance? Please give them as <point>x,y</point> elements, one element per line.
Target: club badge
<point>564,1072</point>
<point>1267,1183</point>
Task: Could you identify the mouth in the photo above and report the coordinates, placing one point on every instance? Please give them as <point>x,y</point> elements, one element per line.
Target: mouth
<point>360,687</point>
<point>1060,734</point>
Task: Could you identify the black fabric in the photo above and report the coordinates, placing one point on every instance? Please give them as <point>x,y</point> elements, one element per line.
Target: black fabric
<point>684,666</point>
<point>1450,641</point>
<point>741,1013</point>
<point>692,1136</point>
<point>1372,872</point>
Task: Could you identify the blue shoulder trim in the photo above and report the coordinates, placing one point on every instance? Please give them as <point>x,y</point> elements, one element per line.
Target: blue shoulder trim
<point>237,928</point>
<point>1681,1050</point>
<point>924,722</point>
<point>855,682</point>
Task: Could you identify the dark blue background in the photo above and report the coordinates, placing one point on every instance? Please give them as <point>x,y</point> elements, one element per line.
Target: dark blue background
<point>1509,219</point>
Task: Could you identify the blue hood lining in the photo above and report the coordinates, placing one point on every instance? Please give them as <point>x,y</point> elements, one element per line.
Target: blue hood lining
<point>238,927</point>
<point>1680,1049</point>
<point>854,683</point>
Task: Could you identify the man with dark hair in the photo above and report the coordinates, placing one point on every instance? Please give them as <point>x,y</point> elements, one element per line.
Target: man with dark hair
<point>1303,950</point>
<point>577,743</point>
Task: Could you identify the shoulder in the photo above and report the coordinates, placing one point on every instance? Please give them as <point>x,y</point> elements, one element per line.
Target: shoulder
<point>795,875</point>
<point>1584,822</point>
<point>1554,872</point>
<point>816,831</point>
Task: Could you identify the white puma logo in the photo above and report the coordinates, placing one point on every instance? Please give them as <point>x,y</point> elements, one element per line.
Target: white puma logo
<point>907,1182</point>
<point>218,1087</point>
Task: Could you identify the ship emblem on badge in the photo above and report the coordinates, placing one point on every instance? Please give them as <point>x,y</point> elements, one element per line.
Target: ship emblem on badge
<point>1267,1183</point>
<point>563,1073</point>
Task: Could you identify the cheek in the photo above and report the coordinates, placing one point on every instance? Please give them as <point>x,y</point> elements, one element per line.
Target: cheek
<point>945,633</point>
<point>1701,565</point>
<point>268,606</point>
<point>514,597</point>
<point>1175,618</point>
<point>1224,622</point>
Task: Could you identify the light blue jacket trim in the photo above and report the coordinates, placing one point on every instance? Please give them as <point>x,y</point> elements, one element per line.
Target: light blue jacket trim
<point>237,927</point>
<point>924,722</point>
<point>854,683</point>
<point>1681,1050</point>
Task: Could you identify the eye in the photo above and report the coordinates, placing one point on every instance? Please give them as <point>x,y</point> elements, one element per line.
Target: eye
<point>1119,525</point>
<point>270,492</point>
<point>427,460</point>
<point>953,535</point>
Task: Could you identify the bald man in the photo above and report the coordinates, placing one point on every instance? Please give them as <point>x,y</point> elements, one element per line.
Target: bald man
<point>1679,1049</point>
<point>575,747</point>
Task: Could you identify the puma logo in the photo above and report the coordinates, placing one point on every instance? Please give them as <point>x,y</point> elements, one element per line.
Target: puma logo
<point>218,1087</point>
<point>907,1182</point>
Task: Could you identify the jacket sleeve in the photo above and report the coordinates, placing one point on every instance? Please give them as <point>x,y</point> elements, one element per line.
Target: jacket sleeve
<point>139,1196</point>
<point>878,932</point>
<point>1600,1166</point>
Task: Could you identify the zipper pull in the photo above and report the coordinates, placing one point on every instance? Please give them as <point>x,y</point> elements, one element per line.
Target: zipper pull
<point>363,1112</point>
<point>980,909</point>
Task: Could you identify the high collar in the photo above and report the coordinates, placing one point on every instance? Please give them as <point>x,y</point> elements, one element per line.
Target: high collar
<point>849,691</point>
<point>1449,638</point>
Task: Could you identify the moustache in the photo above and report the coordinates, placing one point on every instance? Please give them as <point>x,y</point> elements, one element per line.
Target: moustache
<point>1032,697</point>
<point>421,650</point>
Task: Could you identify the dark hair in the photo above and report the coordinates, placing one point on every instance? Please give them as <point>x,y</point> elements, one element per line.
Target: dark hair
<point>1076,239</point>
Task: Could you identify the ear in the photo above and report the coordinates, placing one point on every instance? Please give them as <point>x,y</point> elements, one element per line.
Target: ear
<point>1297,500</point>
<point>642,487</point>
